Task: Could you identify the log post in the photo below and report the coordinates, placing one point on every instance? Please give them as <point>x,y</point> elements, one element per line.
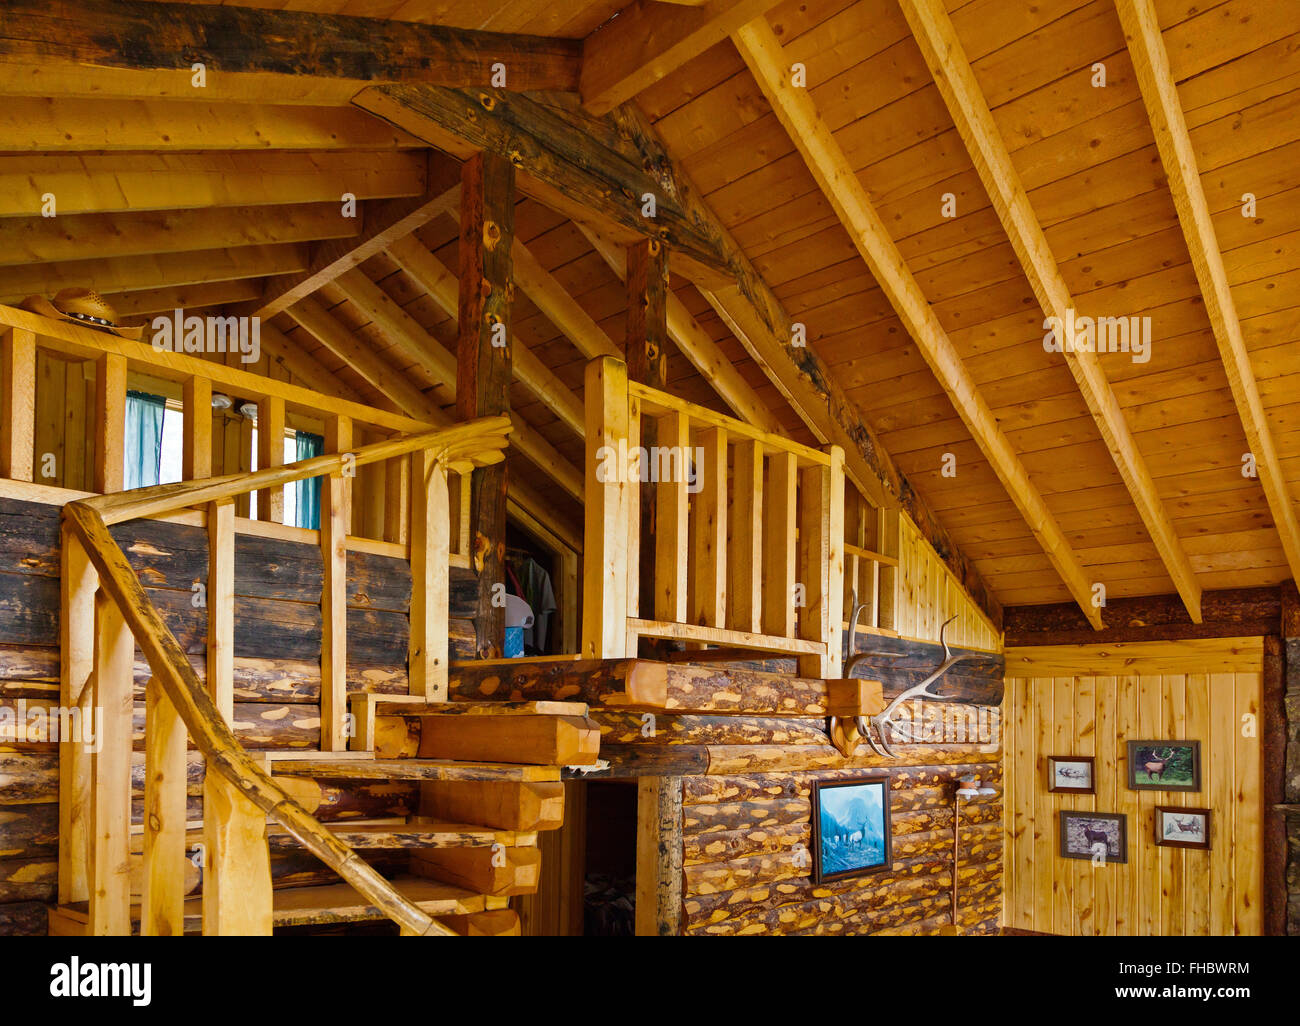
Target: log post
<point>163,899</point>
<point>78,582</point>
<point>110,424</point>
<point>110,830</point>
<point>659,857</point>
<point>221,606</point>
<point>196,454</point>
<point>334,512</point>
<point>237,897</point>
<point>270,453</point>
<point>430,578</point>
<point>483,367</point>
<point>18,387</point>
<point>1280,721</point>
<point>607,528</point>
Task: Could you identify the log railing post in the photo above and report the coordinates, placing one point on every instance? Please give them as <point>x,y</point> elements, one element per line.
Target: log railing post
<point>18,391</point>
<point>196,415</point>
<point>163,899</point>
<point>110,424</point>
<point>221,606</point>
<point>270,453</point>
<point>671,566</point>
<point>711,529</point>
<point>110,855</point>
<point>237,896</point>
<point>745,540</point>
<point>778,545</point>
<point>430,578</point>
<point>606,524</point>
<point>334,509</point>
<point>77,582</point>
<point>821,563</point>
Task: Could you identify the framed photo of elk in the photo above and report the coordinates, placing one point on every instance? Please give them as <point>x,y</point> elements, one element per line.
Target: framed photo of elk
<point>850,827</point>
<point>1070,774</point>
<point>1178,826</point>
<point>1083,835</point>
<point>1164,765</point>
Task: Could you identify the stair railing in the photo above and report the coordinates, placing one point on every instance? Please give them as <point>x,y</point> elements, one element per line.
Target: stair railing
<point>106,612</point>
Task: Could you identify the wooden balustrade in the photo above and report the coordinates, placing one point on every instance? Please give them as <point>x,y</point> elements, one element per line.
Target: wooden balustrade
<point>749,540</point>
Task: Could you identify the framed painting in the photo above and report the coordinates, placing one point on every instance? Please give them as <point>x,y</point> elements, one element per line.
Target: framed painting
<point>850,826</point>
<point>1164,765</point>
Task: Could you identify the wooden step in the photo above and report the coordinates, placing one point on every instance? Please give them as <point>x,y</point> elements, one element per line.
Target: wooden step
<point>543,739</point>
<point>325,766</point>
<point>366,707</point>
<point>408,834</point>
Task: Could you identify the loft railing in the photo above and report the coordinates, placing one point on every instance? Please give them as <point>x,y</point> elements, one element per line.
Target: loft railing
<point>106,612</point>
<point>748,546</point>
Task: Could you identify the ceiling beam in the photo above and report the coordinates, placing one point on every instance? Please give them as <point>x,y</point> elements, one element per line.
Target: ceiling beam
<point>647,41</point>
<point>574,163</point>
<point>42,240</point>
<point>796,111</point>
<point>935,35</point>
<point>695,344</point>
<point>1151,63</point>
<point>131,306</point>
<point>263,56</point>
<point>90,183</point>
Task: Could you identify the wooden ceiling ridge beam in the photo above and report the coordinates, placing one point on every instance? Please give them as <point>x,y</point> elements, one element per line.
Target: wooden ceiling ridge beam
<point>107,48</point>
<point>795,109</point>
<point>647,41</point>
<point>936,36</point>
<point>1178,156</point>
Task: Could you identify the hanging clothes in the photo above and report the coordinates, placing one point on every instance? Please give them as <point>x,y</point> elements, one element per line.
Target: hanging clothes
<point>538,593</point>
<point>143,442</point>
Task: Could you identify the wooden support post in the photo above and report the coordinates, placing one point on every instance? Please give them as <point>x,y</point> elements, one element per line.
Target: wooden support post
<point>834,567</point>
<point>887,544</point>
<point>334,506</point>
<point>647,364</point>
<point>813,563</point>
<point>18,389</point>
<point>110,828</point>
<point>778,545</point>
<point>270,453</point>
<point>430,578</point>
<point>745,540</point>
<point>671,567</point>
<point>659,857</point>
<point>606,524</point>
<point>110,423</point>
<point>221,606</point>
<point>196,455</point>
<point>483,365</point>
<point>397,492</point>
<point>77,583</point>
<point>163,899</point>
<point>711,530</point>
<point>237,897</point>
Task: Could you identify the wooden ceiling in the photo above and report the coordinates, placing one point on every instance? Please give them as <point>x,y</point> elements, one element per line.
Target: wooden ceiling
<point>1130,473</point>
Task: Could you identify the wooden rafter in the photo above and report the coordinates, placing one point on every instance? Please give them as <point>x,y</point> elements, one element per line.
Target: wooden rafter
<point>147,49</point>
<point>647,41</point>
<point>946,58</point>
<point>1159,93</point>
<point>797,112</point>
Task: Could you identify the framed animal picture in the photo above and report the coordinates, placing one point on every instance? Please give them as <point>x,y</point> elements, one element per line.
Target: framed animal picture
<point>1094,835</point>
<point>1070,774</point>
<point>1181,827</point>
<point>1164,765</point>
<point>850,827</point>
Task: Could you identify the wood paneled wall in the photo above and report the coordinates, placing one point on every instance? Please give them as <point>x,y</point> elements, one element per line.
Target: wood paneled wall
<point>1090,700</point>
<point>928,594</point>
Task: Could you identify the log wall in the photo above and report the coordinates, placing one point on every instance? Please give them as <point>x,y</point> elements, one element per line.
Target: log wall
<point>1090,700</point>
<point>277,674</point>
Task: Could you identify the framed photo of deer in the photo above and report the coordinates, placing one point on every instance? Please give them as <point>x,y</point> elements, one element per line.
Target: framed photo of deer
<point>1180,827</point>
<point>1164,765</point>
<point>850,827</point>
<point>1094,835</point>
<point>1070,774</point>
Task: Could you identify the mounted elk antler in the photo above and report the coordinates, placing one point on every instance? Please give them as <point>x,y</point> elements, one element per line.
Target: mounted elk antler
<point>883,721</point>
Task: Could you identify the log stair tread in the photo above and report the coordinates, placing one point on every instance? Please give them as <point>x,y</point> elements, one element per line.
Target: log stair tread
<point>387,706</point>
<point>327,767</point>
<point>399,834</point>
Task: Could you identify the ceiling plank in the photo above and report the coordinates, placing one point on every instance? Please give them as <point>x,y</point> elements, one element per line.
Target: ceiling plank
<point>131,306</point>
<point>109,182</point>
<point>282,350</point>
<point>559,307</point>
<point>253,54</point>
<point>1159,94</point>
<point>795,109</point>
<point>937,38</point>
<point>39,240</point>
<point>647,41</point>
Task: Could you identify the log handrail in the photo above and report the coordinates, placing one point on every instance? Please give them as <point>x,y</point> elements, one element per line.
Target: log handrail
<point>463,446</point>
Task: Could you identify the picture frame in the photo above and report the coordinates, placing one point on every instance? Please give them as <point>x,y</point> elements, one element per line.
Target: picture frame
<point>850,827</point>
<point>1082,832</point>
<point>1164,765</point>
<point>1071,774</point>
<point>1181,826</point>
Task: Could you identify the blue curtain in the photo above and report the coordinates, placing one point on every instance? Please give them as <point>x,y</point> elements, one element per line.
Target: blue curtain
<point>308,491</point>
<point>144,428</point>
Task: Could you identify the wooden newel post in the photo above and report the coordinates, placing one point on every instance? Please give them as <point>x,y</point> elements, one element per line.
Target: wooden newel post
<point>608,525</point>
<point>163,899</point>
<point>78,582</point>
<point>237,897</point>
<point>110,829</point>
<point>430,563</point>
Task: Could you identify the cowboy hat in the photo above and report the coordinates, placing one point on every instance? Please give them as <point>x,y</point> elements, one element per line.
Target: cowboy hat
<point>82,306</point>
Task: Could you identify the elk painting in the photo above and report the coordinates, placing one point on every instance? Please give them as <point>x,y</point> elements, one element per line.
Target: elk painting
<point>850,827</point>
<point>1094,835</point>
<point>1182,827</point>
<point>1070,774</point>
<point>1164,765</point>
